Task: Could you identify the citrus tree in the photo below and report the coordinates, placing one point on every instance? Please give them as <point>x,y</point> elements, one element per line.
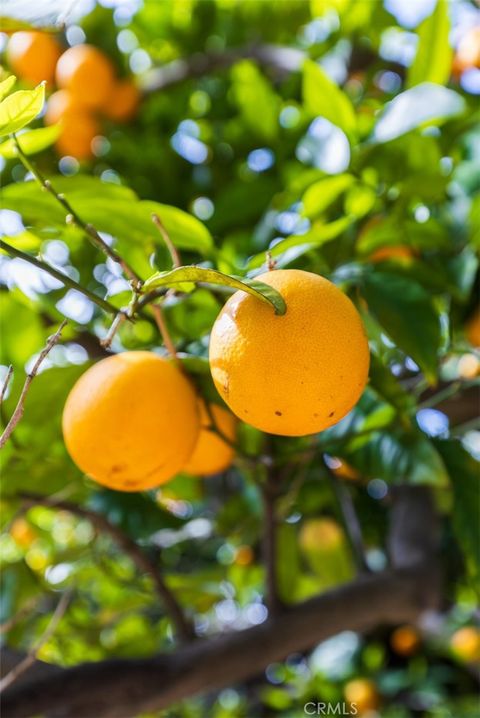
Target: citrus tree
<point>240,348</point>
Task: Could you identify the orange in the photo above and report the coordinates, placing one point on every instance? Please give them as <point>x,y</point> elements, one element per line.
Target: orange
<point>405,640</point>
<point>344,470</point>
<point>123,101</point>
<point>473,329</point>
<point>33,56</point>
<point>362,694</point>
<point>62,103</point>
<point>87,73</point>
<point>131,421</point>
<point>244,556</point>
<point>211,454</point>
<point>294,374</point>
<point>395,252</point>
<point>22,533</point>
<point>465,644</point>
<point>77,134</point>
<point>320,535</point>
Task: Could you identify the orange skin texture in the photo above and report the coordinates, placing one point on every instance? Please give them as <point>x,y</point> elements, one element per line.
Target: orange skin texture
<point>473,329</point>
<point>87,73</point>
<point>363,693</point>
<point>32,56</point>
<point>211,454</point>
<point>465,644</point>
<point>77,135</point>
<point>123,102</point>
<point>405,640</point>
<point>295,374</point>
<point>131,421</point>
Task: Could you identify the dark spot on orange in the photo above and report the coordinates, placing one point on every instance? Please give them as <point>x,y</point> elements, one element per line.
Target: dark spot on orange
<point>278,413</point>
<point>131,483</point>
<point>315,414</point>
<point>331,414</point>
<point>116,468</point>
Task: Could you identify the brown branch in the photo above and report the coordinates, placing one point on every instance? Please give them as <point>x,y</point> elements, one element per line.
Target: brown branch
<point>270,524</point>
<point>73,218</point>
<point>163,329</point>
<point>126,544</point>
<point>31,657</point>
<point>18,411</point>
<point>115,689</point>
<point>6,382</point>
<point>172,250</point>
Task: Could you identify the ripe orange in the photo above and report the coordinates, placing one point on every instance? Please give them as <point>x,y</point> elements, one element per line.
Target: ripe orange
<point>87,73</point>
<point>405,640</point>
<point>33,56</point>
<point>22,533</point>
<point>321,535</point>
<point>468,51</point>
<point>77,134</point>
<point>473,329</point>
<point>294,374</point>
<point>362,694</point>
<point>395,252</point>
<point>123,101</point>
<point>211,454</point>
<point>62,103</point>
<point>131,421</point>
<point>465,644</point>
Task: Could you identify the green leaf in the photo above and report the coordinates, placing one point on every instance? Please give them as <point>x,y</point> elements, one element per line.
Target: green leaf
<point>433,61</point>
<point>186,231</point>
<point>463,470</point>
<point>320,195</point>
<point>194,274</point>
<point>31,142</point>
<point>6,86</point>
<point>406,312</point>
<point>423,104</point>
<point>255,98</point>
<point>319,234</point>
<point>322,97</point>
<point>20,108</point>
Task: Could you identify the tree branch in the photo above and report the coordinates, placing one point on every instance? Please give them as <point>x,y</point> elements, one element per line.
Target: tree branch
<point>63,278</point>
<point>18,411</point>
<point>128,546</point>
<point>74,218</point>
<point>270,558</point>
<point>115,689</point>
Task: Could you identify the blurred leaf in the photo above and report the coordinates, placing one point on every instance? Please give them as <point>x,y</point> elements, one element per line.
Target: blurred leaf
<point>322,97</point>
<point>184,275</point>
<point>31,142</point>
<point>464,474</point>
<point>21,331</point>
<point>288,561</point>
<point>423,104</point>
<point>406,312</point>
<point>20,108</point>
<point>256,99</point>
<point>320,195</point>
<point>433,61</point>
<point>7,85</point>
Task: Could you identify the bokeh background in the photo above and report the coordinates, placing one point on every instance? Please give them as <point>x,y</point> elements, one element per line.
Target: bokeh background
<point>341,135</point>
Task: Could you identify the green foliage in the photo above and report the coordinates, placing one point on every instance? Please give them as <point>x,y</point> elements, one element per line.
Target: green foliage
<point>297,131</point>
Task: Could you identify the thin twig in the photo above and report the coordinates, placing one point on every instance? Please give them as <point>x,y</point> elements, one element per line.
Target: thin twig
<point>7,626</point>
<point>18,412</point>
<point>73,218</point>
<point>140,559</point>
<point>31,657</point>
<point>163,329</point>
<point>176,261</point>
<point>6,382</point>
<point>64,278</point>
<point>106,343</point>
<point>349,518</point>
